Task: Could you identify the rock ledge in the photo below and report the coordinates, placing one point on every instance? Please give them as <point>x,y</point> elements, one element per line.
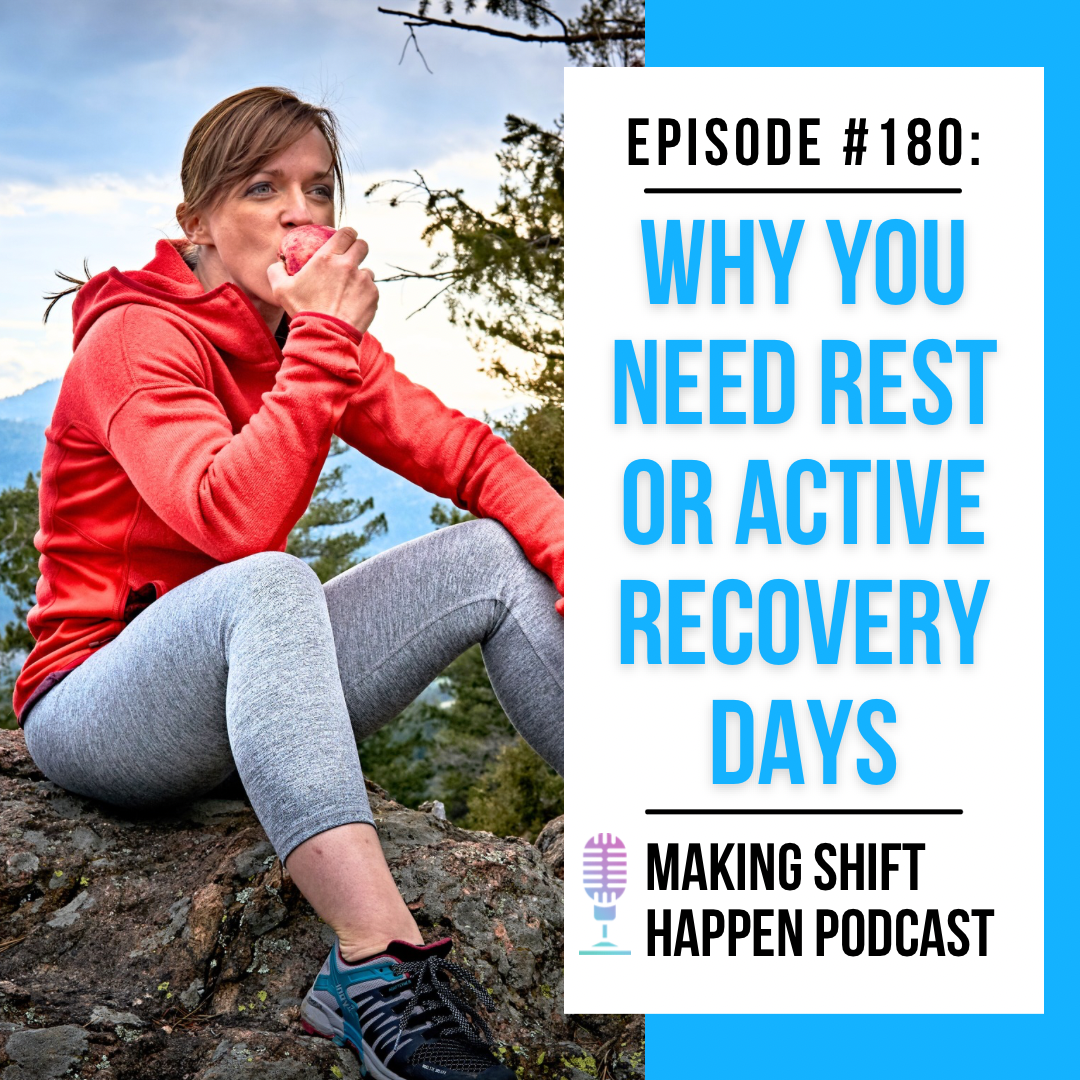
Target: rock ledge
<point>175,946</point>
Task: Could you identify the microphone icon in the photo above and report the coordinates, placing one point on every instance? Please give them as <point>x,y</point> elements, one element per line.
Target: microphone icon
<point>604,878</point>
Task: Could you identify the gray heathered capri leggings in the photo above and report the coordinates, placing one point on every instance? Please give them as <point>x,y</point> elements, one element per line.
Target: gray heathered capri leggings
<point>256,666</point>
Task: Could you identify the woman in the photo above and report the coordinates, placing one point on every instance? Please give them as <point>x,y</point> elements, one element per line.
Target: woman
<point>176,642</point>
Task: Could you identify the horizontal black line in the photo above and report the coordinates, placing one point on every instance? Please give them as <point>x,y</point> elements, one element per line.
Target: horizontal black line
<point>779,812</point>
<point>803,190</point>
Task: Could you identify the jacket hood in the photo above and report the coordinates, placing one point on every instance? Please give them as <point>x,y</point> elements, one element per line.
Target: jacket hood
<point>224,315</point>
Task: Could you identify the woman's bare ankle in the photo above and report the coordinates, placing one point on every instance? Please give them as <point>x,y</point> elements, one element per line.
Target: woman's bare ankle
<point>342,872</point>
<point>355,948</point>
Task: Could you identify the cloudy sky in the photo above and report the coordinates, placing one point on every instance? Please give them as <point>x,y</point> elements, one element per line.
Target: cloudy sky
<point>97,99</point>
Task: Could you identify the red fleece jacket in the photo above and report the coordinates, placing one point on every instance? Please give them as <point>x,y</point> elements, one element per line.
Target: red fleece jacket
<point>184,437</point>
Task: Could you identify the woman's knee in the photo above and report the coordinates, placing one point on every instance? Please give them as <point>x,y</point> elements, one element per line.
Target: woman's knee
<point>269,593</point>
<point>273,571</point>
<point>497,556</point>
<point>490,545</point>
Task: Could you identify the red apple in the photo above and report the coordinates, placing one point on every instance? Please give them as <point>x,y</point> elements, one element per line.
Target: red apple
<point>301,243</point>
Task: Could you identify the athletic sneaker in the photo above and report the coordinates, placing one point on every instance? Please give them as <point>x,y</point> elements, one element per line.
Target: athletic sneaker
<point>400,1014</point>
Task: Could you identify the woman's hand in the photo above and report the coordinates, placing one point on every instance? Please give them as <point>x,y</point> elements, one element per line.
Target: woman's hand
<point>331,283</point>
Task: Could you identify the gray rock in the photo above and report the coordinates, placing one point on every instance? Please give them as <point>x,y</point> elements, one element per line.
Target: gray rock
<point>67,806</point>
<point>70,912</point>
<point>102,1015</point>
<point>254,860</point>
<point>84,839</point>
<point>36,839</point>
<point>255,1069</point>
<point>190,997</point>
<point>209,811</point>
<point>469,916</point>
<point>522,973</point>
<point>44,1053</point>
<point>435,808</point>
<point>23,862</point>
<point>178,914</point>
<point>263,918</point>
<point>550,844</point>
<point>220,1051</point>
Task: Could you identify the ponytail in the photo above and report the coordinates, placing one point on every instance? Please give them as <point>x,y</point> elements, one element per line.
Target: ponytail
<point>76,285</point>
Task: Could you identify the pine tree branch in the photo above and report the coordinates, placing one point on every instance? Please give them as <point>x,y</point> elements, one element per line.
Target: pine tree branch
<point>549,13</point>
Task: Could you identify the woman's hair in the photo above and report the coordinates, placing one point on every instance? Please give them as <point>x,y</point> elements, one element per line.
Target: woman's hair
<point>235,139</point>
<point>239,135</point>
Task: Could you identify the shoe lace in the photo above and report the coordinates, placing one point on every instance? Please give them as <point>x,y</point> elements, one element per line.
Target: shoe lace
<point>438,1004</point>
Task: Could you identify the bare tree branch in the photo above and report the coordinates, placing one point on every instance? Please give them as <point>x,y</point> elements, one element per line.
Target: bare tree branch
<point>635,34</point>
<point>419,51</point>
<point>415,275</point>
<point>449,276</point>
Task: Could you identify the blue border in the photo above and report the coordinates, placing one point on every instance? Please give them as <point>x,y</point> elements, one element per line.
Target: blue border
<point>788,34</point>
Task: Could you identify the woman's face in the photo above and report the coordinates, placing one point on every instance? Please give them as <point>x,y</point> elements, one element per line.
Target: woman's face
<point>239,238</point>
